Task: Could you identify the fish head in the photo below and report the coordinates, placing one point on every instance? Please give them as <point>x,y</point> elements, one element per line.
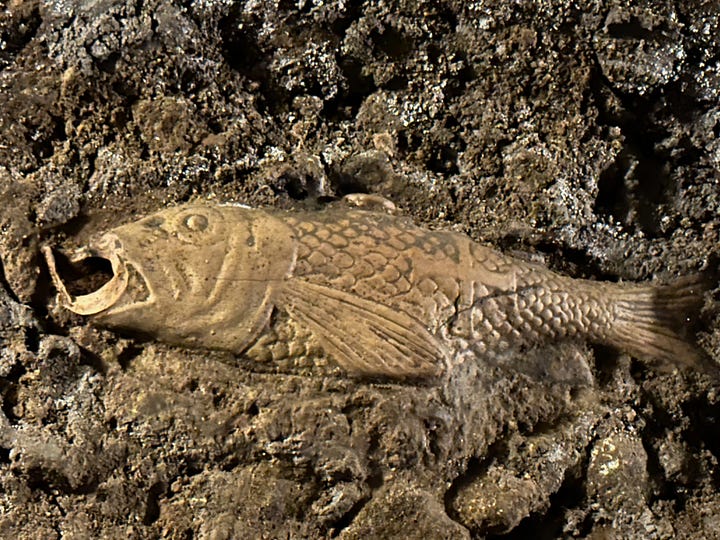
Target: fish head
<point>196,274</point>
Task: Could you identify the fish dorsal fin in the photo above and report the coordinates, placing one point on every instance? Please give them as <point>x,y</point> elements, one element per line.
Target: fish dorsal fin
<point>363,336</point>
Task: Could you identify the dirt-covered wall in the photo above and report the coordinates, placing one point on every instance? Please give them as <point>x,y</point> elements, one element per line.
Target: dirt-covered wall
<point>579,134</point>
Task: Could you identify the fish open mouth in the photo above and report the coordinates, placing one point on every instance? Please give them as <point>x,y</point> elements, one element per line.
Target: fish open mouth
<point>93,279</point>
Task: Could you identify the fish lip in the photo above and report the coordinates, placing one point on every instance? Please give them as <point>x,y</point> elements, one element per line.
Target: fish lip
<point>106,296</point>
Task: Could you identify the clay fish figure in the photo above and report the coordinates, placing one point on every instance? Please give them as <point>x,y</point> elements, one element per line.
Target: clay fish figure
<point>381,296</point>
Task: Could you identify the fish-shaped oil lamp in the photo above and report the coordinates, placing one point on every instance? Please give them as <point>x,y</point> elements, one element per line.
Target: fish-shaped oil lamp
<point>382,296</point>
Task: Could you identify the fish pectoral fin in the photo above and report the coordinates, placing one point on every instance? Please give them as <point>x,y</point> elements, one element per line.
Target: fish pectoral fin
<point>364,337</point>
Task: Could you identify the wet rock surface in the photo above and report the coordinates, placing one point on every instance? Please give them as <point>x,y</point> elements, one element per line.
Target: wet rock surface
<point>582,136</point>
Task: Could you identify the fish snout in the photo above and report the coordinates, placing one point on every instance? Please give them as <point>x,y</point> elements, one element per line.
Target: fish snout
<point>95,276</point>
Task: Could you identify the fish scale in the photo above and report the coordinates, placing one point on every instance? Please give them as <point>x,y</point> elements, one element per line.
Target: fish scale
<point>380,255</point>
<point>384,254</point>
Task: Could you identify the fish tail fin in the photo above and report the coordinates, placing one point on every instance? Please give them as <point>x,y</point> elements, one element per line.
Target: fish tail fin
<point>658,323</point>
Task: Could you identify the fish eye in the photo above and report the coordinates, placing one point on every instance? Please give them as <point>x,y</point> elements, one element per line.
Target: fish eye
<point>196,222</point>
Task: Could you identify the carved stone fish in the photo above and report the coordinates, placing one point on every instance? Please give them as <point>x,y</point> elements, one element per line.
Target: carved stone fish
<point>380,295</point>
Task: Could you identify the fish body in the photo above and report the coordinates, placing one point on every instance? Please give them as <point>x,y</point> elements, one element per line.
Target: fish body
<point>382,296</point>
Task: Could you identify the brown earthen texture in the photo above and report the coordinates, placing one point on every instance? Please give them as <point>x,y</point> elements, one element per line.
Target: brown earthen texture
<point>584,136</point>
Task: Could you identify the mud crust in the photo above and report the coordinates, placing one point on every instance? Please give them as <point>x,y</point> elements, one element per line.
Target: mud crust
<point>587,138</point>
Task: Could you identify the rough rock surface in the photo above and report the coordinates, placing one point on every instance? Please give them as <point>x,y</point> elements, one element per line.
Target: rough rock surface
<point>585,135</point>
